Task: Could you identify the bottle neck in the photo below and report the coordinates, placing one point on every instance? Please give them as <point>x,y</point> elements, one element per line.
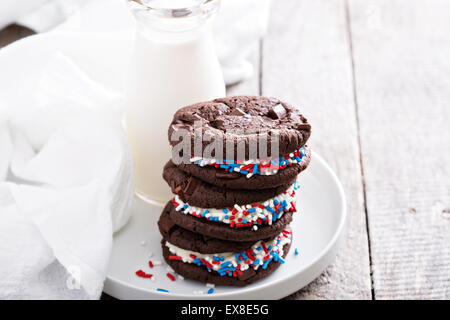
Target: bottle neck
<point>168,20</point>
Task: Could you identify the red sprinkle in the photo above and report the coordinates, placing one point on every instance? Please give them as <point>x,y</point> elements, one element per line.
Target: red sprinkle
<point>193,256</point>
<point>170,276</point>
<point>142,274</point>
<point>263,244</point>
<point>150,264</point>
<point>206,263</point>
<point>293,207</point>
<point>175,258</point>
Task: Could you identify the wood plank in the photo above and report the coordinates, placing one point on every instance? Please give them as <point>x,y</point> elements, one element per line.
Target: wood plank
<point>401,55</point>
<point>307,61</point>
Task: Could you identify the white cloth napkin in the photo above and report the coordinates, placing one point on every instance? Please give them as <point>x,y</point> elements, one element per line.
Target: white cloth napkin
<point>237,28</point>
<point>66,183</point>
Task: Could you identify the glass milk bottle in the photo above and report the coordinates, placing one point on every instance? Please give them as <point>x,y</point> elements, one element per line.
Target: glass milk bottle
<point>174,64</point>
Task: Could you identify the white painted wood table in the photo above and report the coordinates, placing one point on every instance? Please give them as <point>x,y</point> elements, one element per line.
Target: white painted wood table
<point>373,77</point>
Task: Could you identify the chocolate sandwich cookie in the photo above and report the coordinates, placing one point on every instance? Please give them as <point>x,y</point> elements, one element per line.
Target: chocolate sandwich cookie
<point>201,194</point>
<point>225,231</point>
<point>250,175</point>
<point>237,268</point>
<point>240,121</point>
<point>188,240</point>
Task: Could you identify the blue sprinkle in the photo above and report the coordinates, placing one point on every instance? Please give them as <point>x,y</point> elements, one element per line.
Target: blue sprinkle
<point>226,269</point>
<point>185,206</point>
<point>225,210</point>
<point>296,251</point>
<point>275,202</point>
<point>244,171</point>
<point>270,209</point>
<point>226,216</point>
<point>224,166</point>
<point>298,159</point>
<point>205,212</point>
<point>280,259</point>
<point>211,290</point>
<point>162,290</point>
<point>251,210</point>
<point>266,263</point>
<point>255,168</point>
<point>226,264</point>
<point>199,163</point>
<point>215,258</point>
<point>302,152</point>
<point>256,262</point>
<point>244,220</point>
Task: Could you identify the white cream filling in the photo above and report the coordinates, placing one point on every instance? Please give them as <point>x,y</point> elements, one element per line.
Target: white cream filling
<point>262,254</point>
<point>245,215</point>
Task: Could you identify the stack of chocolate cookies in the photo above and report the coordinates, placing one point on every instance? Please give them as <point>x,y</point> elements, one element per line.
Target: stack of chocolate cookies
<point>228,222</point>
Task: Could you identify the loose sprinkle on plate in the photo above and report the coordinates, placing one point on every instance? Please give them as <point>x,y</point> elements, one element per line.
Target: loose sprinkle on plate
<point>170,276</point>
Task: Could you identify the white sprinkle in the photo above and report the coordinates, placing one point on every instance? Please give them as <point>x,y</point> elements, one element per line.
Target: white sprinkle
<point>180,277</point>
<point>169,269</point>
<point>210,285</point>
<point>157,263</point>
<point>255,228</point>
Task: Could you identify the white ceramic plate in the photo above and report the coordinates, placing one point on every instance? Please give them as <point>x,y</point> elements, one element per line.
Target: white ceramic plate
<point>317,233</point>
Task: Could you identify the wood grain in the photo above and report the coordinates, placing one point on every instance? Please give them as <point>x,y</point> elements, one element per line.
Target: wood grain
<point>401,53</point>
<point>307,61</point>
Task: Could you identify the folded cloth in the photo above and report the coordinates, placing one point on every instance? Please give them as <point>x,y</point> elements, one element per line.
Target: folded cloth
<point>66,184</point>
<point>237,28</point>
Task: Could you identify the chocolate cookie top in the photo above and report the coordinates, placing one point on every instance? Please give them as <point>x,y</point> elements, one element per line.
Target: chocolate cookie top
<point>241,120</point>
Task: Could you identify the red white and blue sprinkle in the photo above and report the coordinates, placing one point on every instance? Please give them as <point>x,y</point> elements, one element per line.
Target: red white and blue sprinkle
<point>255,166</point>
<point>249,215</point>
<point>231,264</point>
